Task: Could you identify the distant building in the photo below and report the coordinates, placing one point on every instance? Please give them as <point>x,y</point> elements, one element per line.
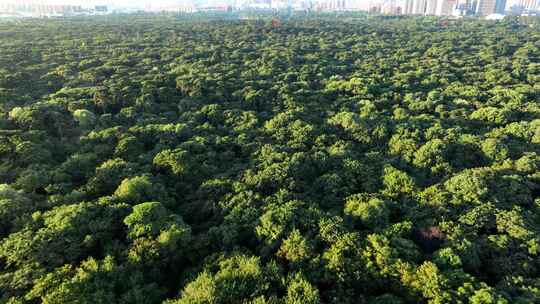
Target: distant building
<point>445,7</point>
<point>530,4</point>
<point>36,9</point>
<point>485,7</point>
<point>185,7</point>
<point>419,7</point>
<point>521,6</point>
<point>390,7</point>
<point>465,7</point>
<point>495,17</point>
<point>375,9</point>
<point>408,9</point>
<point>101,8</point>
<point>431,7</point>
<point>500,6</point>
<point>333,5</point>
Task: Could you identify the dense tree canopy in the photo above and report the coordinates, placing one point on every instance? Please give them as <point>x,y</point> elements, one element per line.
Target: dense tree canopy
<point>336,160</point>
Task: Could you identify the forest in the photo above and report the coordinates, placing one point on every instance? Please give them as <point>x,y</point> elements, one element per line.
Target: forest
<point>333,159</point>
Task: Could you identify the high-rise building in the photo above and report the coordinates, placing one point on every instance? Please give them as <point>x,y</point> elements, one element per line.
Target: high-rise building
<point>500,6</point>
<point>445,7</point>
<point>408,9</point>
<point>38,8</point>
<point>431,7</point>
<point>519,6</point>
<point>419,7</point>
<point>485,7</point>
<point>529,4</point>
<point>389,7</point>
<point>465,7</point>
<point>330,5</point>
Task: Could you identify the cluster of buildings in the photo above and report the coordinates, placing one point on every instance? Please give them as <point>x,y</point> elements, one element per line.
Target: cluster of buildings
<point>269,5</point>
<point>44,8</point>
<point>480,8</point>
<point>468,7</point>
<point>37,9</point>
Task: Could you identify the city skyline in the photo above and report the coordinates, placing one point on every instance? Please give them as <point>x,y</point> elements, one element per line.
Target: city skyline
<point>89,3</point>
<point>393,7</point>
<point>146,3</point>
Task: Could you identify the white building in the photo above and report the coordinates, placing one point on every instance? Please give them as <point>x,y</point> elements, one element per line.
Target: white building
<point>495,17</point>
<point>431,7</point>
<point>485,7</point>
<point>419,7</point>
<point>408,9</point>
<point>445,7</point>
